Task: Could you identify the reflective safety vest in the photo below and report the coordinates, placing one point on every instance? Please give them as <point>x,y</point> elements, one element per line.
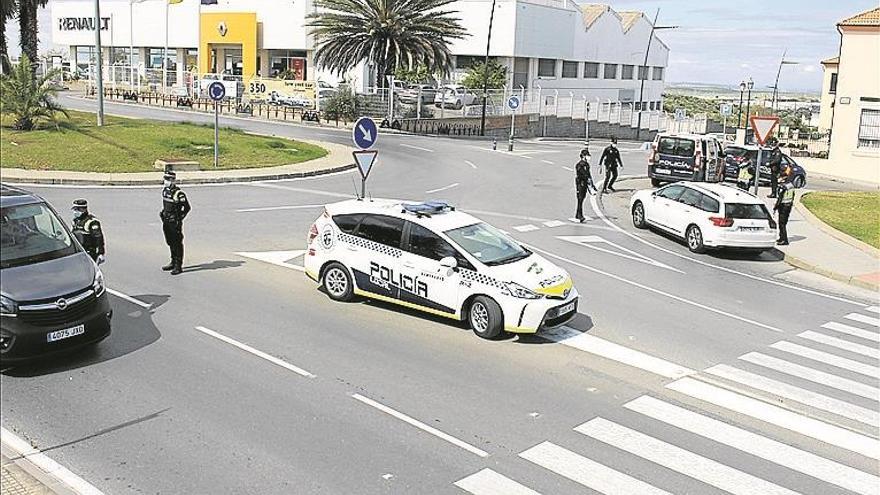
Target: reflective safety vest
<point>744,174</point>
<point>787,194</point>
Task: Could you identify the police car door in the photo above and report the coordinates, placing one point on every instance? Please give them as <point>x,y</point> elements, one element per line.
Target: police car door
<point>375,256</point>
<point>423,281</point>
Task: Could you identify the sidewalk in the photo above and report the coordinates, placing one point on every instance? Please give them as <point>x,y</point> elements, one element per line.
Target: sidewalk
<point>16,481</point>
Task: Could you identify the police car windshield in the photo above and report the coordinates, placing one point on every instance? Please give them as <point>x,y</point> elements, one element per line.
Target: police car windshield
<point>31,234</point>
<point>488,244</point>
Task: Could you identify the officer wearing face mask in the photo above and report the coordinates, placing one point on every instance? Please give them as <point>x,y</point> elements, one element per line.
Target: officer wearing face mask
<point>610,160</point>
<point>175,207</point>
<point>87,230</point>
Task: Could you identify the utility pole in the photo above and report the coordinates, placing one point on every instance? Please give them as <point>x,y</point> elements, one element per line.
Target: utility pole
<point>486,71</point>
<point>99,73</point>
<point>778,73</point>
<point>654,27</point>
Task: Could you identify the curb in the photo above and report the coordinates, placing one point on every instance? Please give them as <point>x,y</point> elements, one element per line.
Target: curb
<point>803,265</point>
<point>840,236</point>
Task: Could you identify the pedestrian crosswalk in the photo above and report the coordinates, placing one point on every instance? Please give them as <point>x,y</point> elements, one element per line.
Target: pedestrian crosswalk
<point>799,416</point>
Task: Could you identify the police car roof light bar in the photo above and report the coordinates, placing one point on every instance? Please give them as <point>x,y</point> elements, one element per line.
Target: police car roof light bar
<point>427,208</point>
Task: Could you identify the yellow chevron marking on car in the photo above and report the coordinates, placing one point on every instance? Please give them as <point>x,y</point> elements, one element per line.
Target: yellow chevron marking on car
<point>404,303</point>
<point>513,329</point>
<point>558,290</point>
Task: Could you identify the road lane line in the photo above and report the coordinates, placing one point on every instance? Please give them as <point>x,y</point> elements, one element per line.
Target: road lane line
<point>422,426</point>
<point>774,415</point>
<point>677,459</point>
<point>595,205</point>
<point>274,208</point>
<point>757,445</point>
<point>444,188</point>
<point>129,298</point>
<point>810,374</point>
<point>488,482</point>
<point>846,345</point>
<point>256,352</point>
<point>587,472</point>
<point>569,169</point>
<point>65,477</point>
<point>270,185</point>
<point>828,358</point>
<point>471,164</point>
<point>616,352</point>
<point>554,223</point>
<point>657,291</point>
<point>525,228</point>
<point>416,147</point>
<point>806,397</point>
<point>855,332</point>
<point>863,319</point>
<point>875,309</point>
<point>548,162</point>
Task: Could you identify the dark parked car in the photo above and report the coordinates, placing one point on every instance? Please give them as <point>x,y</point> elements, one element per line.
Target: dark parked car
<point>736,155</point>
<point>52,295</point>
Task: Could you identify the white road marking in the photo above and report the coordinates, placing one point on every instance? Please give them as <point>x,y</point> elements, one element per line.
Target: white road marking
<point>616,352</point>
<point>875,309</point>
<point>64,476</point>
<point>569,169</point>
<point>277,258</point>
<point>129,298</point>
<point>444,188</point>
<point>471,164</point>
<point>855,332</point>
<point>774,415</point>
<point>488,482</point>
<point>256,352</point>
<point>828,358</point>
<point>274,208</point>
<point>617,228</point>
<point>846,345</point>
<point>422,426</point>
<point>587,472</point>
<point>757,445</point>
<point>656,291</point>
<point>416,147</point>
<point>548,162</point>
<point>272,185</point>
<point>677,459</point>
<point>820,377</point>
<point>554,223</point>
<point>806,397</point>
<point>525,228</point>
<point>590,241</point>
<point>863,319</point>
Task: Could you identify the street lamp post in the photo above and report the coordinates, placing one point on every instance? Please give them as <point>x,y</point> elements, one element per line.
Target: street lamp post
<point>739,111</point>
<point>486,71</point>
<point>749,85</point>
<point>99,73</point>
<point>778,73</point>
<point>654,27</point>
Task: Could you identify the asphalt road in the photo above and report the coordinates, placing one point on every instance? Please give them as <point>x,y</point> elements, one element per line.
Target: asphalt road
<point>682,373</point>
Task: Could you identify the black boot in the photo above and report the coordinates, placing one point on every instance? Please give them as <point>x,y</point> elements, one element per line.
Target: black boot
<point>169,266</point>
<point>178,268</point>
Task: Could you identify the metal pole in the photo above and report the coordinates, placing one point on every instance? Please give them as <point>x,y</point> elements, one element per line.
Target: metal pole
<point>642,85</point>
<point>165,51</point>
<point>99,62</point>
<point>216,134</point>
<point>131,43</point>
<point>512,124</point>
<point>419,104</point>
<point>363,187</point>
<point>739,110</point>
<point>758,168</point>
<point>748,111</point>
<point>586,121</point>
<point>486,71</point>
<point>776,84</point>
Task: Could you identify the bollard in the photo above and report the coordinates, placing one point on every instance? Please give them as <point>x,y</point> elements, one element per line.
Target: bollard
<point>494,143</point>
<point>510,143</point>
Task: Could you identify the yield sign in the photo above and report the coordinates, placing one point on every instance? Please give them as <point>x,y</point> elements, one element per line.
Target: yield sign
<point>365,160</point>
<point>603,245</point>
<point>763,127</point>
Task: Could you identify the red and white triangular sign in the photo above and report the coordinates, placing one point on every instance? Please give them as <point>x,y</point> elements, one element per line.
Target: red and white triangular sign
<point>365,160</point>
<point>763,127</point>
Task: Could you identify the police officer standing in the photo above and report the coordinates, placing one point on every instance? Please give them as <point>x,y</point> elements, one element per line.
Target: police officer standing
<point>610,159</point>
<point>583,182</point>
<point>175,207</point>
<point>784,203</point>
<point>775,164</point>
<point>87,230</point>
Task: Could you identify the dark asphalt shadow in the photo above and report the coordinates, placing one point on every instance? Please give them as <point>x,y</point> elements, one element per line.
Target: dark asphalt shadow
<point>737,254</point>
<point>214,265</point>
<point>132,329</point>
<point>580,323</point>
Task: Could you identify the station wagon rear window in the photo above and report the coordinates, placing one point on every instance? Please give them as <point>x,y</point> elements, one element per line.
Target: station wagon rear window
<point>676,147</point>
<point>746,211</point>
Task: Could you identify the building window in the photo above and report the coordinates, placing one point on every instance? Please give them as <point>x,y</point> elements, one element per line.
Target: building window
<point>833,88</point>
<point>643,73</point>
<point>288,60</point>
<point>869,129</point>
<point>569,70</point>
<point>546,67</point>
<point>520,72</point>
<point>154,58</point>
<point>467,61</point>
<point>610,71</point>
<point>658,73</point>
<point>627,72</point>
<point>591,70</point>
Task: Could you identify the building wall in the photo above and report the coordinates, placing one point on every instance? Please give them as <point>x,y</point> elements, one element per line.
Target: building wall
<point>858,88</point>
<point>827,101</point>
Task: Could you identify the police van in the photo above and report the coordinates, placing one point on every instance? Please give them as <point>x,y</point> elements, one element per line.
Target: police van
<point>430,257</point>
<point>685,157</point>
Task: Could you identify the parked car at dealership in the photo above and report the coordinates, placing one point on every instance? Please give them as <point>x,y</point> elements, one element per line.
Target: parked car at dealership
<point>413,92</point>
<point>454,96</point>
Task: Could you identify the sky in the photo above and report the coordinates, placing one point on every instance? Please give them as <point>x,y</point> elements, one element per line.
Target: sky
<point>717,42</point>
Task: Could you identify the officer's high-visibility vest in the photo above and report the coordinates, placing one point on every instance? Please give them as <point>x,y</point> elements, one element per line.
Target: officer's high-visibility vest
<point>744,175</point>
<point>787,195</point>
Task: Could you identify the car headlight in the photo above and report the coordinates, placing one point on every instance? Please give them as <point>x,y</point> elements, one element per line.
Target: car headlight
<point>98,283</point>
<point>8,307</point>
<point>518,291</point>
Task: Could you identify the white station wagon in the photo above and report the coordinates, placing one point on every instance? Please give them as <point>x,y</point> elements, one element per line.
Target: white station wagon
<point>432,258</point>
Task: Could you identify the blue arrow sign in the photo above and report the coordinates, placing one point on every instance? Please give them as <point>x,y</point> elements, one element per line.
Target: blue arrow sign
<point>365,133</point>
<point>216,90</point>
<point>513,102</point>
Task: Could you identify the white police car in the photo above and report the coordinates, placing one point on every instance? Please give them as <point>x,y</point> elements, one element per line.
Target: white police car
<point>430,257</point>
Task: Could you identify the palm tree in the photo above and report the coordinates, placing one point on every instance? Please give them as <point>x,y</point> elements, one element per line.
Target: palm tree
<point>390,34</point>
<point>8,9</point>
<point>29,28</point>
<point>29,100</point>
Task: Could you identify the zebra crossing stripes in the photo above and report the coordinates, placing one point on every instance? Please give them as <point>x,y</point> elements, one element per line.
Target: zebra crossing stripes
<point>863,319</point>
<point>846,345</point>
<point>827,358</point>
<point>488,482</point>
<point>525,228</point>
<point>850,330</point>
<point>813,375</point>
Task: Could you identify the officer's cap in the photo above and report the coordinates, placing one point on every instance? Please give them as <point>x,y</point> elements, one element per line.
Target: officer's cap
<point>80,203</point>
<point>170,175</point>
<point>585,152</point>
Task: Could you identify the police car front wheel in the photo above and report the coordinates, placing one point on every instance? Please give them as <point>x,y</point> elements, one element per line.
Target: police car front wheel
<point>485,318</point>
<point>337,283</point>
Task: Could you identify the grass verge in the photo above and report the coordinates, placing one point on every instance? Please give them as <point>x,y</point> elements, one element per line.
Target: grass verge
<point>132,145</point>
<point>854,213</point>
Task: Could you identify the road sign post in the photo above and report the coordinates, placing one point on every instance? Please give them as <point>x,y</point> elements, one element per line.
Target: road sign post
<point>364,134</point>
<point>513,103</point>
<point>763,126</point>
<point>217,91</point>
<point>365,159</point>
<point>726,110</point>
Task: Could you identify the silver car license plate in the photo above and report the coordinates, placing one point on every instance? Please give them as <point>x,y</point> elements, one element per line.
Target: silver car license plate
<point>66,333</point>
<point>662,170</point>
<point>567,308</point>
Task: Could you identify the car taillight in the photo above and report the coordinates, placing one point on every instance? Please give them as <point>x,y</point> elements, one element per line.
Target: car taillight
<point>721,221</point>
<point>325,214</point>
<point>698,157</point>
<point>313,232</point>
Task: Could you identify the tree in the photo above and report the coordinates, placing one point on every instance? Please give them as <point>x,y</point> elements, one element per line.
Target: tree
<point>8,9</point>
<point>390,34</point>
<point>344,104</point>
<point>474,77</point>
<point>417,74</point>
<point>29,29</point>
<point>27,99</point>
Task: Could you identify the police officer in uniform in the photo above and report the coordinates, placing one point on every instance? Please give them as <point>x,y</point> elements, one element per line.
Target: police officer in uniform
<point>745,176</point>
<point>175,207</point>
<point>583,182</point>
<point>87,230</point>
<point>784,203</point>
<point>775,164</point>
<point>610,160</point>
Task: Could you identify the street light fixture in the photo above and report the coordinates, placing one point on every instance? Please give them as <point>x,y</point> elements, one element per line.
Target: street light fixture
<point>654,27</point>
<point>742,89</point>
<point>749,85</point>
<point>778,72</point>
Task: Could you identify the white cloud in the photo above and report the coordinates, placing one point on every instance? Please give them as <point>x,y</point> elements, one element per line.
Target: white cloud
<point>744,66</point>
<point>809,68</point>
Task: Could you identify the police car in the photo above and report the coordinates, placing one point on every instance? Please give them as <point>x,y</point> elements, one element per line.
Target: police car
<point>430,257</point>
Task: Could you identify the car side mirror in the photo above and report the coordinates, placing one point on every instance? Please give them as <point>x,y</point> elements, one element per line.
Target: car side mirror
<point>449,265</point>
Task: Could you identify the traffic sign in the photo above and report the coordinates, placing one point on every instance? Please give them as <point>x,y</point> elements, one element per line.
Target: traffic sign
<point>679,114</point>
<point>726,109</point>
<point>217,91</point>
<point>365,133</point>
<point>365,160</point>
<point>513,102</point>
<point>763,127</point>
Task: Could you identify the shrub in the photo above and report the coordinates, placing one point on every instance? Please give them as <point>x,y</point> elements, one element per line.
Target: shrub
<point>344,105</point>
<point>28,98</point>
